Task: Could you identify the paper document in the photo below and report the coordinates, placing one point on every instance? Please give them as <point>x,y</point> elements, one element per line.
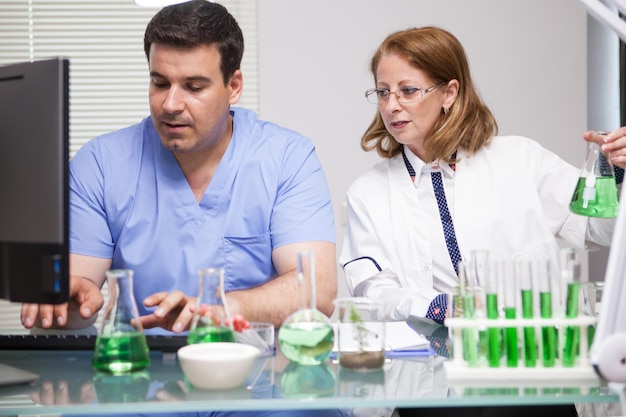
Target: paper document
<point>399,336</point>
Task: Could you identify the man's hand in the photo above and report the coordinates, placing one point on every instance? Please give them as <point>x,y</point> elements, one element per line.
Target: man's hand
<point>174,311</point>
<point>81,311</point>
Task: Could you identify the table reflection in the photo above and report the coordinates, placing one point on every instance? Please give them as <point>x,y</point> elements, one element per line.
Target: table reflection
<point>67,379</point>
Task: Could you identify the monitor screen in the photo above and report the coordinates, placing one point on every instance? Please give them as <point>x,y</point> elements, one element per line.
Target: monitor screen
<point>34,164</point>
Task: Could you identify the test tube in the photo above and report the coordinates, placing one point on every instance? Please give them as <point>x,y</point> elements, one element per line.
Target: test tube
<point>525,279</point>
<point>546,283</point>
<point>493,333</point>
<point>569,263</point>
<point>592,298</point>
<point>477,276</point>
<point>508,287</point>
<point>469,334</point>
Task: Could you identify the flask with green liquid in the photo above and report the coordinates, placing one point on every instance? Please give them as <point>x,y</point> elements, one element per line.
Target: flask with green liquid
<point>596,193</point>
<point>121,345</point>
<point>211,320</point>
<point>307,336</point>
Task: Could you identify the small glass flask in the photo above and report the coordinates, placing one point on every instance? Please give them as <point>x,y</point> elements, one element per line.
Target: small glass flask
<point>121,345</point>
<point>306,337</point>
<point>596,193</point>
<point>211,320</point>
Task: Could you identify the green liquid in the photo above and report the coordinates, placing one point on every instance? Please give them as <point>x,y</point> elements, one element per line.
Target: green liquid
<point>591,332</point>
<point>306,343</point>
<point>493,333</point>
<point>511,339</point>
<point>121,352</point>
<point>211,334</point>
<point>469,335</point>
<point>572,333</point>
<point>605,202</point>
<point>530,344</point>
<point>548,333</point>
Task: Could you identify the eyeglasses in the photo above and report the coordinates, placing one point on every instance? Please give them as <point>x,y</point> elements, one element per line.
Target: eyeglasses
<point>403,94</point>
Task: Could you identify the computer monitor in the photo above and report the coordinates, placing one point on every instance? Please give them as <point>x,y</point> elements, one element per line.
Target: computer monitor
<point>34,166</point>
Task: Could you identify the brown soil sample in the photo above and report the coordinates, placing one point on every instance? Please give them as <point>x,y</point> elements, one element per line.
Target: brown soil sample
<point>362,360</point>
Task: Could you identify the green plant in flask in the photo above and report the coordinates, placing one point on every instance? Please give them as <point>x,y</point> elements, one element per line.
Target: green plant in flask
<point>360,333</point>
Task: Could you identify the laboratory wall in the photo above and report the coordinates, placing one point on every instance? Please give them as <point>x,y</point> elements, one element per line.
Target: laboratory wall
<point>528,59</point>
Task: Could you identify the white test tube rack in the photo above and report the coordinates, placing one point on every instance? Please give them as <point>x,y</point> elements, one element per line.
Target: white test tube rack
<point>457,369</point>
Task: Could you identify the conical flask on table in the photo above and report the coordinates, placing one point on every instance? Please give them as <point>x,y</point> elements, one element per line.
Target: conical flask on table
<point>121,345</point>
<point>596,193</point>
<point>211,319</point>
<point>306,337</point>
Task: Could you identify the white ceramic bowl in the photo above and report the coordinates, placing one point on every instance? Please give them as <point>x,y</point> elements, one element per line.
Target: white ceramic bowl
<point>217,365</point>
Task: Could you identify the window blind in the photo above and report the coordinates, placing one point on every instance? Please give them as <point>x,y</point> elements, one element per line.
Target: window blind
<point>103,40</point>
<point>108,69</point>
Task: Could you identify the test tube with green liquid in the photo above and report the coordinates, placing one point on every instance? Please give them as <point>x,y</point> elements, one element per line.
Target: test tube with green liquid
<point>546,284</point>
<point>478,273</point>
<point>592,298</point>
<point>569,262</point>
<point>469,335</point>
<point>525,279</point>
<point>506,281</point>
<point>493,333</point>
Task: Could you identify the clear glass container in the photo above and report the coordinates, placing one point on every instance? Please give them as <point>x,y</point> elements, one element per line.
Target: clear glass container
<point>211,320</point>
<point>596,193</point>
<point>306,337</point>
<point>121,345</point>
<point>360,333</point>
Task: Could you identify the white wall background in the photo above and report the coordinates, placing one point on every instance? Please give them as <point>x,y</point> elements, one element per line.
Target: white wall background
<point>528,58</point>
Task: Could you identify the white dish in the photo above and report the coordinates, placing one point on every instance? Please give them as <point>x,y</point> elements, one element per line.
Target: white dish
<point>217,366</point>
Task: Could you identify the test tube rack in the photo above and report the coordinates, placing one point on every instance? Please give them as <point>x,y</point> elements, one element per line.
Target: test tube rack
<point>458,369</point>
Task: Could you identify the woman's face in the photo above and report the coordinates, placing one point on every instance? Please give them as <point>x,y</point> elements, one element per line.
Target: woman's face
<point>410,123</point>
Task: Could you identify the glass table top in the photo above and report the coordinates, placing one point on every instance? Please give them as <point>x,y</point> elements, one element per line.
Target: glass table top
<point>68,384</point>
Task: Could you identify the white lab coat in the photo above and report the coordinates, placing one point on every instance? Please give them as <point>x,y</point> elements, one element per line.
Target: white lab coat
<point>511,198</point>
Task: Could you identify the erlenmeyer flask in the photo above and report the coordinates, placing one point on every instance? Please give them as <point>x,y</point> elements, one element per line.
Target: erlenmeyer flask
<point>121,344</point>
<point>596,193</point>
<point>306,337</point>
<point>211,321</point>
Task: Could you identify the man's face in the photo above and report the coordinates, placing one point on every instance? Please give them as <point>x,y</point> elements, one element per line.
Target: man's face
<point>189,102</point>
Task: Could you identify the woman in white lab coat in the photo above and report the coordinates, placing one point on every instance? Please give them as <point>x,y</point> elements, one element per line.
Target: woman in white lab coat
<point>505,194</point>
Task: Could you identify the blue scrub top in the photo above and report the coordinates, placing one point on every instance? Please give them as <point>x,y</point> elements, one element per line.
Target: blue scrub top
<point>130,202</point>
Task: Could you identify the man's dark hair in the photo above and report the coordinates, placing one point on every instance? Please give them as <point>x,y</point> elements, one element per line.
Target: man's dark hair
<point>195,23</point>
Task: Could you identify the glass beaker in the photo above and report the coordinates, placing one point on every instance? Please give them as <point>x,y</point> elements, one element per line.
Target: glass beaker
<point>121,345</point>
<point>211,321</point>
<point>306,337</point>
<point>596,193</point>
<point>360,333</point>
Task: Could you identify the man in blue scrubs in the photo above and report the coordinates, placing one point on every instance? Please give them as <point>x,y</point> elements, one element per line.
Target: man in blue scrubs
<point>200,183</point>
